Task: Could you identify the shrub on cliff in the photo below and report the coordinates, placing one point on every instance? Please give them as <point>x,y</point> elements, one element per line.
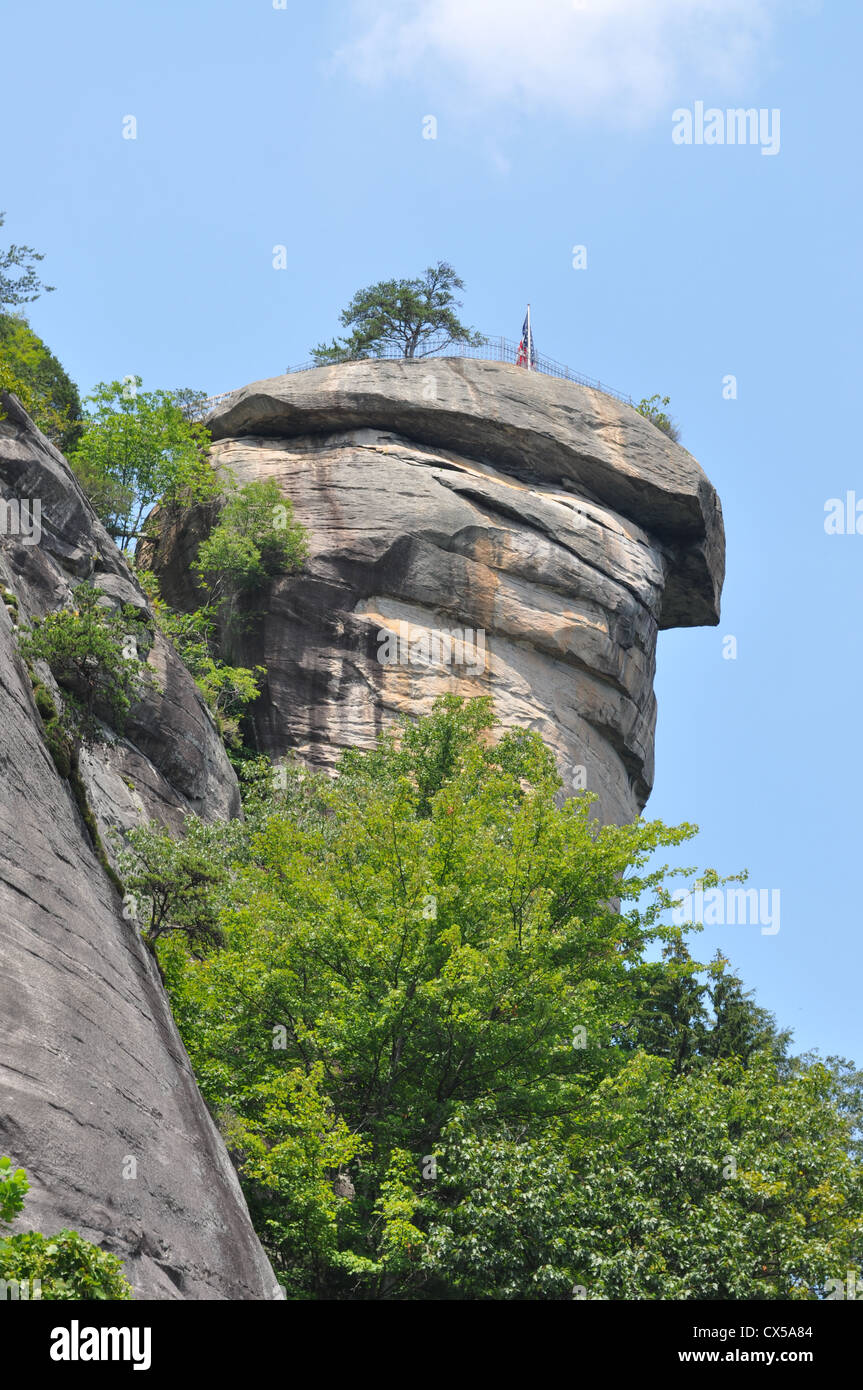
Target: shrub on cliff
<point>653,409</point>
<point>93,654</point>
<point>172,885</point>
<point>256,538</point>
<point>27,369</point>
<point>63,1266</point>
<point>228,690</point>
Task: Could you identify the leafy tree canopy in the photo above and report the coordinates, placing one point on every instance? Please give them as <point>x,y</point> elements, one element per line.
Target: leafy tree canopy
<point>139,447</point>
<point>34,374</point>
<point>449,1065</point>
<point>414,317</point>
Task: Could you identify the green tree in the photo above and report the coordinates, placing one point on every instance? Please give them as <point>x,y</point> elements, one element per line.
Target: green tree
<point>13,385</point>
<point>172,885</point>
<point>449,1064</point>
<point>671,1018</point>
<point>432,944</point>
<point>93,652</point>
<point>415,317</point>
<point>726,1182</point>
<point>256,538</point>
<point>653,408</point>
<point>19,282</point>
<point>739,1027</point>
<point>50,396</point>
<point>137,448</point>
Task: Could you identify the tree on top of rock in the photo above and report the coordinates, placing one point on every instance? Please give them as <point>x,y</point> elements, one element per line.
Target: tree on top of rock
<point>414,317</point>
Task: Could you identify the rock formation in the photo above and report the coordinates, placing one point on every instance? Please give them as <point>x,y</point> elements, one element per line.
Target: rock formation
<point>452,497</point>
<point>473,528</point>
<point>92,1069</point>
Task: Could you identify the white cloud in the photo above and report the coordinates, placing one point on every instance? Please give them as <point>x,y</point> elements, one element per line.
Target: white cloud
<point>619,60</point>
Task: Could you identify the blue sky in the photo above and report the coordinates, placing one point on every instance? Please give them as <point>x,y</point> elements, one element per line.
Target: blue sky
<point>303,126</point>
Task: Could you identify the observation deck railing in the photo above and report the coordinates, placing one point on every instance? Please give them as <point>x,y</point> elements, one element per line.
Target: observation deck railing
<point>488,350</point>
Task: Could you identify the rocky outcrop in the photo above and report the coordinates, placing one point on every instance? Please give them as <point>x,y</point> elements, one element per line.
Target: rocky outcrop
<point>97,1097</point>
<point>554,528</point>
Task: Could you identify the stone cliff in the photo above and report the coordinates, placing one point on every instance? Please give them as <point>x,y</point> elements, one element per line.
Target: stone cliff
<point>554,528</point>
<point>92,1069</point>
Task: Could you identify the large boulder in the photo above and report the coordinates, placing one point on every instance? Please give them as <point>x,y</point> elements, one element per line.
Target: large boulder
<point>99,1102</point>
<point>554,527</point>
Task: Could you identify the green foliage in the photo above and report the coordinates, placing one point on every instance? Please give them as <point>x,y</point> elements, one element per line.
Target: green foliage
<point>413,316</point>
<point>13,1189</point>
<point>174,884</point>
<point>67,1266</point>
<point>288,1143</point>
<point>690,1017</point>
<point>653,409</point>
<point>458,1052</point>
<point>256,538</point>
<point>138,447</point>
<point>37,378</point>
<point>502,1217</point>
<point>64,1266</point>
<point>727,1183</point>
<point>22,285</point>
<point>59,742</point>
<point>44,703</point>
<point>228,690</point>
<point>14,385</point>
<point>92,653</point>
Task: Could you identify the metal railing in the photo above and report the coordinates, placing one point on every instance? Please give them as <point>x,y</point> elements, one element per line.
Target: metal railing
<point>487,350</point>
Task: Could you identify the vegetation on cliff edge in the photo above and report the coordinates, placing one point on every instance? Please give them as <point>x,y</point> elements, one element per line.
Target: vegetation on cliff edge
<point>457,1051</point>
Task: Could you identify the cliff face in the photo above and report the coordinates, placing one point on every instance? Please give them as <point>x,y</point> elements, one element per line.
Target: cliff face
<point>474,528</point>
<point>92,1069</point>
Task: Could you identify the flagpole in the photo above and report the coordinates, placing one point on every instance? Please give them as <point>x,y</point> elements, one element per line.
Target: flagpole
<point>529,344</point>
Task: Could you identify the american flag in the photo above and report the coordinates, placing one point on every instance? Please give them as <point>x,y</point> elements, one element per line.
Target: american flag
<point>526,350</point>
